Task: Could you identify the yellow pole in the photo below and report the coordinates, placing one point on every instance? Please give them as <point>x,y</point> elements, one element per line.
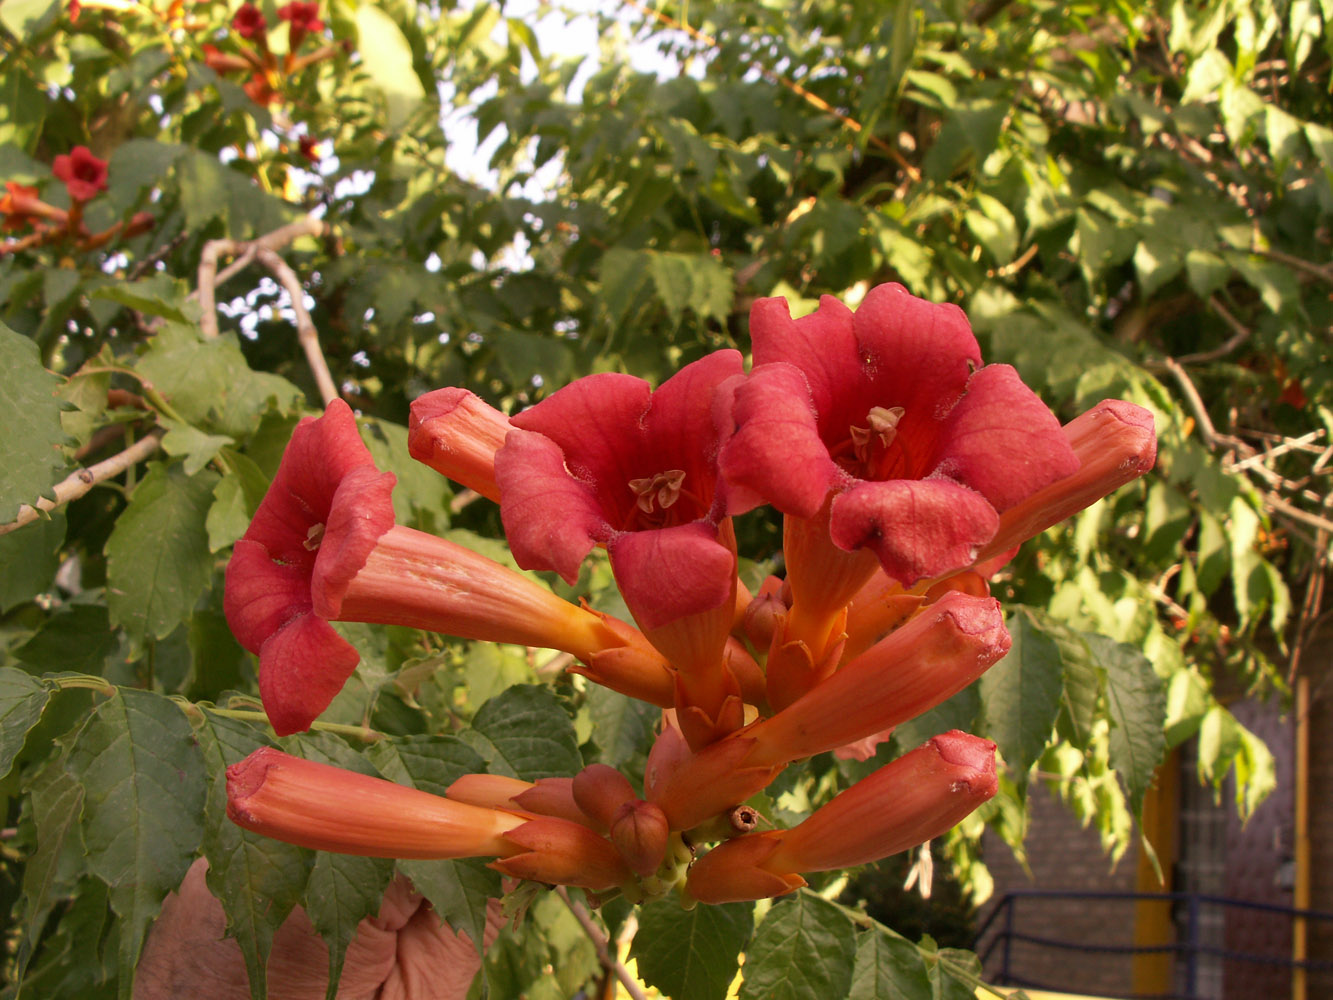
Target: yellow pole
<point>1301,895</point>
<point>1152,917</point>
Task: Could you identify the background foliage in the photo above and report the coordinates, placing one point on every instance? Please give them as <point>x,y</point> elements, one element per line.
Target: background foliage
<point>1130,200</point>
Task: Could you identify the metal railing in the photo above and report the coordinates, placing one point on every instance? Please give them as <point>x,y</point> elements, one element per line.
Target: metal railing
<point>998,932</point>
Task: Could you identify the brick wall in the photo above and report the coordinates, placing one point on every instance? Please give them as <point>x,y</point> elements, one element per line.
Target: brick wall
<point>1063,855</point>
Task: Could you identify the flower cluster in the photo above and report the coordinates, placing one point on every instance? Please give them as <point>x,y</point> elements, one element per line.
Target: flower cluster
<point>85,177</point>
<point>266,71</point>
<point>907,473</point>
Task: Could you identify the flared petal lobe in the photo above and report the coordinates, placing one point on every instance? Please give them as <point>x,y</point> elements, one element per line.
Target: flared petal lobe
<point>916,450</point>
<point>322,515</point>
<point>606,458</point>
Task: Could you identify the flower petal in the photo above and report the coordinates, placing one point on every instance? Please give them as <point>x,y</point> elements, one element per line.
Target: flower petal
<point>1003,441</point>
<point>362,511</point>
<point>776,450</point>
<point>917,528</point>
<point>821,344</point>
<point>302,666</point>
<point>551,519</point>
<point>667,574</point>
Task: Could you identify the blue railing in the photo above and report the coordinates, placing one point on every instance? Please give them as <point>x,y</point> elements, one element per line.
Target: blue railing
<point>998,931</point>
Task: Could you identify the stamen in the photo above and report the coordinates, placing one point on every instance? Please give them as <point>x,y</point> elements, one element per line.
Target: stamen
<point>313,537</point>
<point>662,489</point>
<point>883,425</point>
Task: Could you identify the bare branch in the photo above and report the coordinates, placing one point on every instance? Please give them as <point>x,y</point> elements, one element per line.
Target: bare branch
<point>305,327</point>
<point>77,484</point>
<point>1241,333</point>
<point>599,942</point>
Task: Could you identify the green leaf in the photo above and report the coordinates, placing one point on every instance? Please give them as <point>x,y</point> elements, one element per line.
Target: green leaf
<point>805,947</point>
<point>30,415</point>
<point>76,638</point>
<point>25,18</point>
<point>623,729</point>
<point>430,763</point>
<point>994,227</point>
<point>56,801</point>
<point>889,967</point>
<point>22,700</point>
<point>387,58</point>
<point>211,386</point>
<point>1021,695</point>
<point>197,447</point>
<point>257,879</point>
<point>144,786</point>
<point>956,974</point>
<point>341,892</point>
<point>691,281</point>
<point>159,295</point>
<point>30,558</point>
<point>158,559</point>
<point>959,712</point>
<point>458,890</point>
<point>525,733</point>
<point>691,954</point>
<point>1136,704</point>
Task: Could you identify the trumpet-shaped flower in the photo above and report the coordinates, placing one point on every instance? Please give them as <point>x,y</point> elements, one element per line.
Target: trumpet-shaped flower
<point>317,805</point>
<point>457,435</point>
<point>83,173</point>
<point>607,461</point>
<point>323,547</point>
<point>917,797</point>
<point>883,420</point>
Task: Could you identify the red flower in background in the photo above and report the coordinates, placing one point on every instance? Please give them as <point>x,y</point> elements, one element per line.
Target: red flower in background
<point>249,22</point>
<point>303,18</point>
<point>83,173</point>
<point>309,147</point>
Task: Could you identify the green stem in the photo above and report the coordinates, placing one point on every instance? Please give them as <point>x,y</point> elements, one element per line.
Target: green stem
<point>355,732</point>
<point>85,681</point>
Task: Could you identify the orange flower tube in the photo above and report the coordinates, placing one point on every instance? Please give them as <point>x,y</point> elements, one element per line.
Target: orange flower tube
<point>326,808</point>
<point>919,796</point>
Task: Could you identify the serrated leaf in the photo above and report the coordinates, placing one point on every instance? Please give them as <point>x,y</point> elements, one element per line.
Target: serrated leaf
<point>158,560</point>
<point>691,954</point>
<point>342,891</point>
<point>1021,695</point>
<point>1136,705</point>
<point>30,560</point>
<point>23,698</point>
<point>525,733</point>
<point>57,802</point>
<point>458,890</point>
<point>210,384</point>
<point>145,787</point>
<point>956,974</point>
<point>30,415</point>
<point>257,879</point>
<point>388,60</point>
<point>196,447</point>
<point>889,967</point>
<point>805,947</point>
<point>430,763</point>
<point>78,638</point>
<point>159,295</point>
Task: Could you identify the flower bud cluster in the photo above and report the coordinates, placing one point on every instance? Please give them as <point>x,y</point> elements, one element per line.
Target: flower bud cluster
<point>906,474</point>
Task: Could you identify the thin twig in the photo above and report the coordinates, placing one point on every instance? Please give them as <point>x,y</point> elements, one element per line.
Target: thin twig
<point>1240,334</point>
<point>1206,429</point>
<point>1298,264</point>
<point>599,942</point>
<point>1296,514</point>
<point>77,484</point>
<point>305,326</point>
<point>1288,444</point>
<point>265,250</point>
